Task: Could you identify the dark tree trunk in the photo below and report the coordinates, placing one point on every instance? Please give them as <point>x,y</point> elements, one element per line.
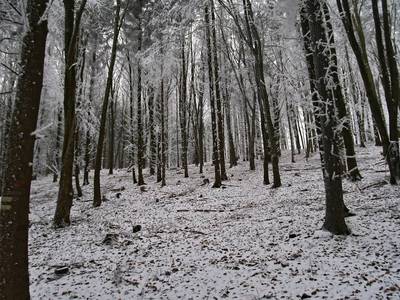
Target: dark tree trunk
<point>14,205</point>
<point>201,114</point>
<point>390,82</point>
<point>334,213</point>
<point>58,145</point>
<point>164,130</point>
<point>100,143</point>
<point>152,159</point>
<point>131,117</point>
<point>264,133</point>
<point>360,52</point>
<point>347,134</point>
<point>140,144</point>
<point>218,100</point>
<point>183,111</point>
<point>111,137</point>
<point>256,47</point>
<point>232,152</point>
<point>215,156</point>
<point>66,193</point>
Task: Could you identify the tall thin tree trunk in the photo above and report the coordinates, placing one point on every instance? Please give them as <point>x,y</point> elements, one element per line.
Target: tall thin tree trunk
<point>66,193</point>
<point>218,100</point>
<point>215,156</point>
<point>140,145</point>
<point>100,143</point>
<point>57,145</point>
<point>131,119</point>
<point>256,47</point>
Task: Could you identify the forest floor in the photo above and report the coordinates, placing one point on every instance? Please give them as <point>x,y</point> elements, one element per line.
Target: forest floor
<point>243,241</point>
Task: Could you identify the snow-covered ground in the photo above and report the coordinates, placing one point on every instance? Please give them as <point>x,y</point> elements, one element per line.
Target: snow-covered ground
<point>244,241</point>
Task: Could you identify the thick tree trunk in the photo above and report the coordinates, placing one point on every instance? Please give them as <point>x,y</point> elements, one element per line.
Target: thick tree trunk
<point>14,205</point>
<point>334,213</point>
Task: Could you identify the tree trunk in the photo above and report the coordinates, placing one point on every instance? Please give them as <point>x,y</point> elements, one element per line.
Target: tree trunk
<point>334,213</point>
<point>218,100</point>
<point>57,145</point>
<point>352,167</point>
<point>131,117</point>
<point>140,145</point>
<point>260,81</point>
<point>100,143</point>
<point>183,111</point>
<point>14,205</point>
<point>66,193</point>
<point>390,82</point>
<point>352,24</point>
<point>215,157</point>
<point>152,159</point>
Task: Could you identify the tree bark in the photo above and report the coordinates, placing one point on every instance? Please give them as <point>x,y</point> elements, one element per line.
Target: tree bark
<point>334,212</point>
<point>14,205</point>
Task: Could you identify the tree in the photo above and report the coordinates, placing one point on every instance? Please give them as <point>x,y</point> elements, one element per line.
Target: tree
<point>216,163</point>
<point>118,19</point>
<point>254,42</point>
<point>390,81</point>
<point>14,206</point>
<point>66,193</point>
<point>325,111</point>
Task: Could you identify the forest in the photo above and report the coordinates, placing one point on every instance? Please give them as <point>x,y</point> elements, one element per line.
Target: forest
<point>199,149</point>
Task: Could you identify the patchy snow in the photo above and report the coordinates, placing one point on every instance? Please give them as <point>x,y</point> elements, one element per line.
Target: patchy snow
<point>245,241</point>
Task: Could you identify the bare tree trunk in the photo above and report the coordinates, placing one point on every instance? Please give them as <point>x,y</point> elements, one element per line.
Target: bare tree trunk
<point>164,130</point>
<point>255,45</point>
<point>183,111</point>
<point>100,143</point>
<point>218,100</point>
<point>14,205</point>
<point>352,23</point>
<point>66,193</point>
<point>352,167</point>
<point>390,82</point>
<point>57,145</point>
<point>140,145</point>
<point>215,158</point>
<point>131,116</point>
<point>334,213</point>
<point>152,159</point>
